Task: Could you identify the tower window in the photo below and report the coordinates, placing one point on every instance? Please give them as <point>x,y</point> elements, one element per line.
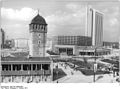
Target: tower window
<point>39,42</point>
<point>39,35</point>
<point>42,27</point>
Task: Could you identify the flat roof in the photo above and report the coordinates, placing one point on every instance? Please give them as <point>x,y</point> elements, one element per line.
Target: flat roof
<point>25,59</point>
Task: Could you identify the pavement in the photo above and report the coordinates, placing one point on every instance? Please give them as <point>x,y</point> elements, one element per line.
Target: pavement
<point>77,77</point>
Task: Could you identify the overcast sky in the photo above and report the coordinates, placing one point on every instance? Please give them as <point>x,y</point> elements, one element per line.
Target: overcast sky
<point>64,17</point>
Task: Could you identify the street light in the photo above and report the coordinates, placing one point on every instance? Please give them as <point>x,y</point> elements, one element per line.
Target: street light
<point>94,67</point>
<point>119,58</point>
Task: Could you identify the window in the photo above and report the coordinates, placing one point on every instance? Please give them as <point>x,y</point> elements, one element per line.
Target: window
<point>5,67</point>
<point>26,67</point>
<point>42,27</point>
<point>39,35</point>
<point>16,67</point>
<point>38,66</point>
<point>39,42</point>
<point>34,67</point>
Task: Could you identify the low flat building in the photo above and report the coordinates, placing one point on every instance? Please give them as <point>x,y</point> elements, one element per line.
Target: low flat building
<point>22,66</point>
<point>111,44</point>
<point>76,45</point>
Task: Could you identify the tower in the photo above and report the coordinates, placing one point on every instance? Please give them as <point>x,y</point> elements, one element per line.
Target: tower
<point>96,27</point>
<point>38,35</point>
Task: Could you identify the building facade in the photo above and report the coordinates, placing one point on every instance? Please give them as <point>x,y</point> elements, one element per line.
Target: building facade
<point>69,44</point>
<point>111,44</point>
<point>2,38</point>
<point>76,45</point>
<point>9,43</point>
<point>35,67</point>
<point>96,27</point>
<point>73,40</point>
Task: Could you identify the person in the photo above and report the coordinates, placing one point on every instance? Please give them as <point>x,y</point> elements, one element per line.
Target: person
<point>71,73</point>
<point>117,73</point>
<point>57,81</point>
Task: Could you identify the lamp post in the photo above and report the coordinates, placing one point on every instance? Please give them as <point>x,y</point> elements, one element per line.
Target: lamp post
<point>119,59</point>
<point>94,67</point>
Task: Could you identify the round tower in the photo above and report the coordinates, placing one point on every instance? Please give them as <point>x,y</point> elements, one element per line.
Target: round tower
<point>38,35</point>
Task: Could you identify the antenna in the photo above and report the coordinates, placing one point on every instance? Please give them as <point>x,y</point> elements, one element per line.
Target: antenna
<point>38,11</point>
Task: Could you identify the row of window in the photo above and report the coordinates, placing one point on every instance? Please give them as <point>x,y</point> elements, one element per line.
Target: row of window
<point>18,67</point>
<point>38,27</point>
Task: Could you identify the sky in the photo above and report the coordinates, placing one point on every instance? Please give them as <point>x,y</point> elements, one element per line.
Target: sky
<point>64,17</point>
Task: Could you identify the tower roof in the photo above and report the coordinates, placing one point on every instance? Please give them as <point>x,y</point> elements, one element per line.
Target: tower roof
<point>38,20</point>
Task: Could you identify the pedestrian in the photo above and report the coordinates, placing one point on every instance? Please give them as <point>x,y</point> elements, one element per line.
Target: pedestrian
<point>117,73</point>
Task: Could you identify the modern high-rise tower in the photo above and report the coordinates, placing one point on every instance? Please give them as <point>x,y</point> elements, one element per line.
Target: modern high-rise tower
<point>96,26</point>
<point>38,35</point>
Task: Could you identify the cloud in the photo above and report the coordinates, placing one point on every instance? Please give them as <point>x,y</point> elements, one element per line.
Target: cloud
<point>71,22</point>
<point>72,6</point>
<point>24,14</point>
<point>114,21</point>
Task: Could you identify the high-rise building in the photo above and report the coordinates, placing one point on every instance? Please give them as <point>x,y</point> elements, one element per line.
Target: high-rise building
<point>2,38</point>
<point>96,19</point>
<point>38,35</point>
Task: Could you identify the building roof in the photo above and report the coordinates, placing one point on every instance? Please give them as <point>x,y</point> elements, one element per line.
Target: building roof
<point>93,48</point>
<point>25,59</point>
<point>38,20</point>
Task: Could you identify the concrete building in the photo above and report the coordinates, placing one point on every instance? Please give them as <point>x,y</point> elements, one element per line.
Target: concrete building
<point>2,38</point>
<point>70,43</point>
<point>111,44</point>
<point>96,27</point>
<point>76,45</point>
<point>9,43</point>
<point>74,40</point>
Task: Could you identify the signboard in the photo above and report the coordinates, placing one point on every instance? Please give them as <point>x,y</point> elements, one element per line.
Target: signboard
<point>95,67</point>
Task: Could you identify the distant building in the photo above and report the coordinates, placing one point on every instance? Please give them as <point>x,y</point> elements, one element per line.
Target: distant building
<point>75,45</point>
<point>9,43</point>
<point>21,43</point>
<point>111,44</point>
<point>69,44</point>
<point>2,38</point>
<point>74,40</point>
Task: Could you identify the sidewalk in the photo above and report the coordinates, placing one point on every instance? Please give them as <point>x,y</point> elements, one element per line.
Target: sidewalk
<point>78,77</point>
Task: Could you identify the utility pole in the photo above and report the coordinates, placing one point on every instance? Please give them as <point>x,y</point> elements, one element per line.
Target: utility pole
<point>94,66</point>
<point>119,58</point>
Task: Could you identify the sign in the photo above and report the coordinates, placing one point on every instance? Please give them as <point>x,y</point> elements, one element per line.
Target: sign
<point>95,67</point>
